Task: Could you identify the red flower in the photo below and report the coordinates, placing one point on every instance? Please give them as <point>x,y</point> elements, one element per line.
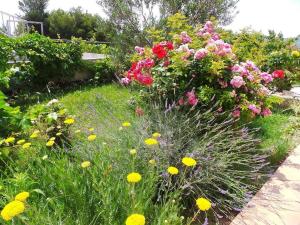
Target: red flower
<point>278,74</point>
<point>170,45</point>
<point>159,51</point>
<point>146,80</point>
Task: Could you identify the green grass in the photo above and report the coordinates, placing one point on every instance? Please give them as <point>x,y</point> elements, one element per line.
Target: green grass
<point>276,134</point>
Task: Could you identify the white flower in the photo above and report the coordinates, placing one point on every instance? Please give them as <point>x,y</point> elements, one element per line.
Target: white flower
<point>53,115</point>
<point>52,102</point>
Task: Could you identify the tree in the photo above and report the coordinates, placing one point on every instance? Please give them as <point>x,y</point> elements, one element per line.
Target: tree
<point>34,10</point>
<point>76,23</point>
<point>198,11</point>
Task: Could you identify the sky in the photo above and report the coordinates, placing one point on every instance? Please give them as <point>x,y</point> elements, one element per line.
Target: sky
<point>261,15</point>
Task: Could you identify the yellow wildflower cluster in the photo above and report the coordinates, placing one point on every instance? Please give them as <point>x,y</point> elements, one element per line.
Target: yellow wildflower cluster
<point>15,207</point>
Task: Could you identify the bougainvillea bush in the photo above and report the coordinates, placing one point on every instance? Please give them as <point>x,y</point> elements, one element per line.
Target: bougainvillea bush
<point>196,67</point>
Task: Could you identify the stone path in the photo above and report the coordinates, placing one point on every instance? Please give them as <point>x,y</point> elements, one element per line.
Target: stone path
<point>278,202</point>
<point>294,93</point>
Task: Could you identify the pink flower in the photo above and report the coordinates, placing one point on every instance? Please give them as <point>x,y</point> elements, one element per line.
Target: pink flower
<point>185,38</point>
<point>148,63</point>
<point>139,50</point>
<point>215,36</point>
<point>236,113</point>
<point>181,101</point>
<point>250,77</point>
<point>266,112</point>
<point>200,54</point>
<point>254,109</point>
<point>139,111</point>
<point>237,82</point>
<point>266,77</point>
<point>192,99</point>
<point>263,91</point>
<point>125,81</point>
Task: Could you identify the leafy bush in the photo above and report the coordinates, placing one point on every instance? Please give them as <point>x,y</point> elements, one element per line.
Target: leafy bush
<point>196,66</point>
<point>50,61</point>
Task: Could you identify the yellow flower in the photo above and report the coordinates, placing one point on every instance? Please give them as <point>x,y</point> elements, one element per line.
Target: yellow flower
<point>134,177</point>
<point>91,129</point>
<point>92,137</point>
<point>126,124</point>
<point>35,134</point>
<point>26,145</point>
<point>52,139</point>
<point>12,209</point>
<point>85,164</point>
<point>151,141</point>
<point>77,131</point>
<point>69,121</point>
<point>203,204</point>
<point>152,162</point>
<point>173,170</point>
<point>295,53</point>
<point>21,142</point>
<point>50,143</point>
<point>45,157</point>
<point>58,133</point>
<point>9,140</point>
<point>22,196</point>
<point>189,161</point>
<point>135,219</point>
<point>156,135</point>
<point>133,152</point>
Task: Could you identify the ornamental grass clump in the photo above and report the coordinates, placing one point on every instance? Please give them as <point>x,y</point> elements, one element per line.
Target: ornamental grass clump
<point>220,160</point>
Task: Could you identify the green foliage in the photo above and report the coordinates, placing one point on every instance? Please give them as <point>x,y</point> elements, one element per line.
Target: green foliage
<point>48,61</point>
<point>76,23</point>
<point>34,10</point>
<point>10,117</point>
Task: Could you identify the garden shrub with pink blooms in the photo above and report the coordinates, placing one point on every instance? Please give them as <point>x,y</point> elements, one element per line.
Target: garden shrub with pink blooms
<point>195,67</point>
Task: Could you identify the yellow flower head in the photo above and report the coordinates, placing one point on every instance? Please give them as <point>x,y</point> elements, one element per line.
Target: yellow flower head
<point>203,204</point>
<point>85,164</point>
<point>91,129</point>
<point>189,161</point>
<point>135,219</point>
<point>22,196</point>
<point>9,140</point>
<point>133,152</point>
<point>152,162</point>
<point>12,209</point>
<point>34,134</point>
<point>77,131</point>
<point>134,177</point>
<point>126,124</point>
<point>151,141</point>
<point>20,142</point>
<point>92,137</point>
<point>295,53</point>
<point>58,133</point>
<point>45,157</point>
<point>173,170</point>
<point>69,121</point>
<point>26,145</point>
<point>156,135</point>
<point>52,139</point>
<point>50,143</point>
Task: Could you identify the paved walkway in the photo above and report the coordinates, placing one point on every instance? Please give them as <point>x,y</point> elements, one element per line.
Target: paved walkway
<point>278,202</point>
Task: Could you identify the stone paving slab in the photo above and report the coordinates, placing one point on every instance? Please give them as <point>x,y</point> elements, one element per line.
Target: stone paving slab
<point>278,201</point>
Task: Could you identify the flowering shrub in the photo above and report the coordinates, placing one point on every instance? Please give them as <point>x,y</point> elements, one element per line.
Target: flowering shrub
<point>270,52</point>
<point>198,67</point>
